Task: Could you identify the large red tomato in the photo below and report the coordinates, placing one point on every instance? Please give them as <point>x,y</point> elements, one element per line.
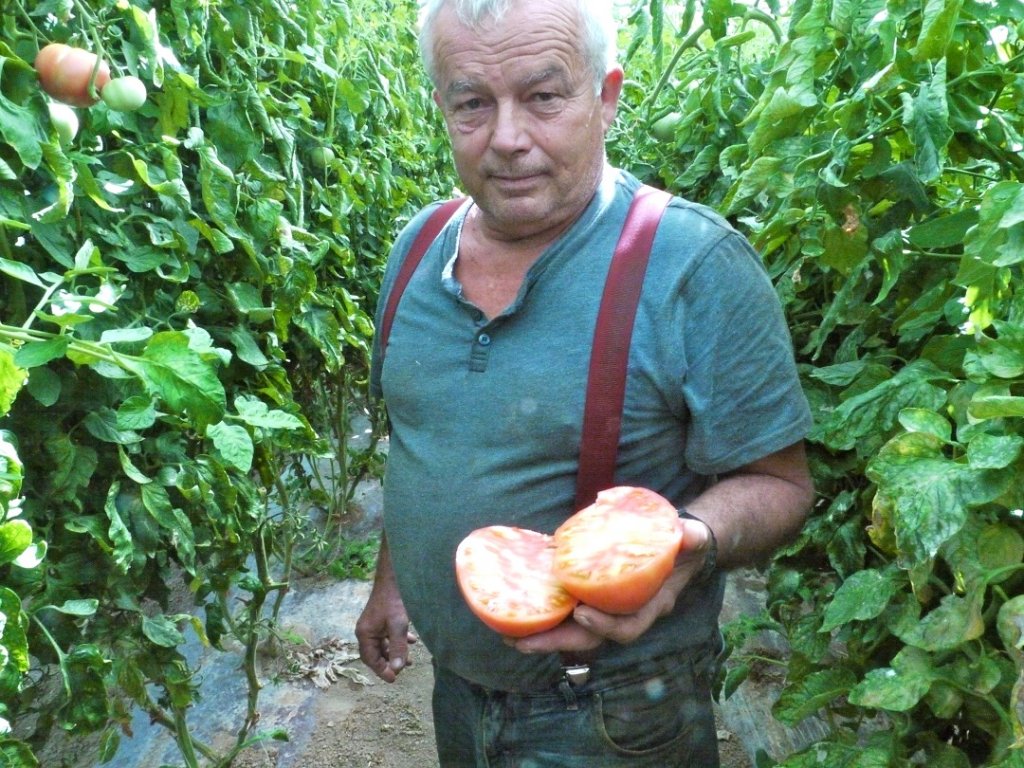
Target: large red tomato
<point>506,578</point>
<point>615,554</point>
<point>65,71</point>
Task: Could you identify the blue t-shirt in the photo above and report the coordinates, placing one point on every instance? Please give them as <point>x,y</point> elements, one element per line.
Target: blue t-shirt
<point>486,414</point>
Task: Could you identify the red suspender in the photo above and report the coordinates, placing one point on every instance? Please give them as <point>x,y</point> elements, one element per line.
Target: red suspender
<point>609,356</point>
<point>428,232</point>
<point>606,383</point>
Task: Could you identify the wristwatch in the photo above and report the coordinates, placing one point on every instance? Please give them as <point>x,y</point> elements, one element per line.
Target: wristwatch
<point>710,554</point>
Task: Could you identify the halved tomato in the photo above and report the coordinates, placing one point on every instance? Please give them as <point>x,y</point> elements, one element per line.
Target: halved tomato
<point>506,579</point>
<point>615,554</point>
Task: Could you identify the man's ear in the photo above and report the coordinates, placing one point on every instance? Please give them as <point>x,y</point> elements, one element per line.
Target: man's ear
<point>611,89</point>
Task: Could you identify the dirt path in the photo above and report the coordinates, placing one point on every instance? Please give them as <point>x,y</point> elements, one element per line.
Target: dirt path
<point>378,725</point>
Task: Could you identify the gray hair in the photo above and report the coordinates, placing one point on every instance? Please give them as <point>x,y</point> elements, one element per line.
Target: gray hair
<point>600,34</point>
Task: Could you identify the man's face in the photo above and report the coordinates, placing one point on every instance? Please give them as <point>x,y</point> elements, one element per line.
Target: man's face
<point>526,125</point>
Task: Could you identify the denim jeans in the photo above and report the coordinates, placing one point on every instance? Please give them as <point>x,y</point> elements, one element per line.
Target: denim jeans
<point>655,715</point>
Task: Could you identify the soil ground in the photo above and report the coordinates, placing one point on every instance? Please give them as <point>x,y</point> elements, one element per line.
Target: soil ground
<point>377,725</point>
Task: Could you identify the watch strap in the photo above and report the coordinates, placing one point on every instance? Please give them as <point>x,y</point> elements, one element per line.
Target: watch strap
<point>710,554</point>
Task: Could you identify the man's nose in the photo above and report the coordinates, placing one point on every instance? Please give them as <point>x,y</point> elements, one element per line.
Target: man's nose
<point>510,130</point>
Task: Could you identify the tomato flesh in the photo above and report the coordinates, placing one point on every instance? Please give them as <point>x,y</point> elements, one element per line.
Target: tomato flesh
<point>505,575</point>
<point>616,553</point>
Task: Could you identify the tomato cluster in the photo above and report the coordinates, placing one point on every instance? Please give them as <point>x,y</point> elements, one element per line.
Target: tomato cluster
<point>613,555</point>
<point>75,77</point>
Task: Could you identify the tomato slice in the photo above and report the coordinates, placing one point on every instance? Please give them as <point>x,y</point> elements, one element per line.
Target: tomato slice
<point>616,553</point>
<point>505,576</point>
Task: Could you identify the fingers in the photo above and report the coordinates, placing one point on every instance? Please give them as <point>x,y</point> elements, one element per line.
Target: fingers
<point>567,636</point>
<point>385,651</point>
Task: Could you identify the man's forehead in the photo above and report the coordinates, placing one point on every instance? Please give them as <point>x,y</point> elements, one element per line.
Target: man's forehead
<point>520,80</point>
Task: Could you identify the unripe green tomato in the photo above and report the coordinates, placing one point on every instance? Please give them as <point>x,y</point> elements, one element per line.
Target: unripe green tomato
<point>664,129</point>
<point>322,157</point>
<point>124,94</point>
<point>64,120</point>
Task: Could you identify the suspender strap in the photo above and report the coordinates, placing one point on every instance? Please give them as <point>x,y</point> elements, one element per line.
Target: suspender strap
<point>428,232</point>
<point>609,357</point>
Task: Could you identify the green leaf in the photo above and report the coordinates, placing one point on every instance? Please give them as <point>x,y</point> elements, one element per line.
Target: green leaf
<point>861,596</point>
<point>137,412</point>
<point>13,631</point>
<point>102,424</point>
<point>876,410</point>
<point>985,451</point>
<point>161,631</point>
<point>234,444</point>
<point>810,694</point>
<point>130,470</point>
<point>181,377</point>
<point>923,420</point>
<point>15,538</point>
<point>956,621</point>
<point>945,231</point>
<point>940,17</point>
<point>247,348</point>
<point>21,127</point>
<point>930,494</point>
<point>12,379</point>
<point>993,406</point>
<point>20,271</point>
<point>255,412</point>
<point>17,754</point>
<point>1000,546</point>
<point>898,688</point>
<point>158,503</point>
<point>1001,358</point>
<point>37,353</point>
<point>1010,626</point>
<point>926,117</point>
<point>82,608</point>
<point>783,112</point>
<point>120,536</point>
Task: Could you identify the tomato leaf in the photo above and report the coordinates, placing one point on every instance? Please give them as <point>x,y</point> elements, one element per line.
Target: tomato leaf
<point>861,596</point>
<point>234,444</point>
<point>181,377</point>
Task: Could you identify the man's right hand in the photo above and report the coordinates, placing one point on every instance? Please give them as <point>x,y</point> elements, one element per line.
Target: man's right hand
<point>383,627</point>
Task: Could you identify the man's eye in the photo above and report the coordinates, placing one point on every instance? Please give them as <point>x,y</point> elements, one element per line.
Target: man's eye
<point>469,105</point>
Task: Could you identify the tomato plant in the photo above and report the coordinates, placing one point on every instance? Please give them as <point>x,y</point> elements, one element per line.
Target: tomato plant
<point>871,151</point>
<point>185,311</point>
<point>506,577</point>
<point>66,73</point>
<point>616,553</point>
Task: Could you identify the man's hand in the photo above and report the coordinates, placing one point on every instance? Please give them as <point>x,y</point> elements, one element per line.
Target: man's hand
<point>588,628</point>
<point>383,627</point>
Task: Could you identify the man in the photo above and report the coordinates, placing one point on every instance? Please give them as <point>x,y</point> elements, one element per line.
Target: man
<point>484,378</point>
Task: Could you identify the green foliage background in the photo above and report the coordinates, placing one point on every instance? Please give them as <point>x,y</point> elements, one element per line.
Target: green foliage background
<point>186,296</point>
<point>185,317</point>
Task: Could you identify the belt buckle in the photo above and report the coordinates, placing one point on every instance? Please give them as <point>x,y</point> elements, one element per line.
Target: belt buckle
<point>576,674</point>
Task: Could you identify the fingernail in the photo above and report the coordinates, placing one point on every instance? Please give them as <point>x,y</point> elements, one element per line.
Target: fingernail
<point>397,664</point>
<point>583,620</point>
